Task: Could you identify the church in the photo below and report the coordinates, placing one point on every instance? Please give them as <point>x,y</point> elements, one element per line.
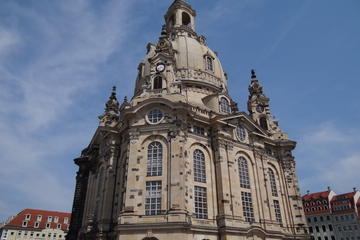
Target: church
<point>179,160</point>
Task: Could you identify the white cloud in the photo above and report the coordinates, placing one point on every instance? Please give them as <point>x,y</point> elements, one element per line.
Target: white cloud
<point>62,58</point>
<point>329,156</point>
<point>327,133</point>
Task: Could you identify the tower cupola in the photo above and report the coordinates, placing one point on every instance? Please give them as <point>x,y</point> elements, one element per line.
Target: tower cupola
<point>259,109</point>
<point>180,15</point>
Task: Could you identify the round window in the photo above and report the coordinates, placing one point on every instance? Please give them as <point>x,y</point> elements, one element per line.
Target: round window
<point>155,116</point>
<point>241,133</point>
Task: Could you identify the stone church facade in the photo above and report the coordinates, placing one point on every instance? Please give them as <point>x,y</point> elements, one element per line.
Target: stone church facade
<point>180,161</point>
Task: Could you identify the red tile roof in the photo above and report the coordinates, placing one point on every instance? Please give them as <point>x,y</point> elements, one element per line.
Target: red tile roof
<point>316,195</point>
<point>338,197</point>
<point>18,220</point>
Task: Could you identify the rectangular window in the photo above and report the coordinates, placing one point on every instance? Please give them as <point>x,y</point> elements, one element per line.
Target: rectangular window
<point>332,237</point>
<point>310,229</point>
<point>24,223</point>
<point>326,238</point>
<point>27,216</point>
<point>277,211</point>
<point>323,228</point>
<point>201,203</point>
<point>199,130</point>
<point>48,225</point>
<point>153,198</point>
<point>36,225</point>
<point>248,209</point>
<point>39,218</point>
<point>330,227</point>
<point>56,219</point>
<point>315,219</point>
<point>317,229</point>
<point>319,238</point>
<point>49,218</point>
<point>59,226</point>
<point>66,220</point>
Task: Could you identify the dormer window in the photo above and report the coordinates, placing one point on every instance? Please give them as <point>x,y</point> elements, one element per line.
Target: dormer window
<point>158,82</point>
<point>209,63</point>
<point>224,106</point>
<point>241,133</point>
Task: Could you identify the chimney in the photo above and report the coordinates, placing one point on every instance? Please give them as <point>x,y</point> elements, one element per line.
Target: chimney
<point>329,189</point>
<point>354,189</point>
<point>307,192</point>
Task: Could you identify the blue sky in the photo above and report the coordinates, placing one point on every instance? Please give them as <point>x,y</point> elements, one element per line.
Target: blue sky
<point>59,60</point>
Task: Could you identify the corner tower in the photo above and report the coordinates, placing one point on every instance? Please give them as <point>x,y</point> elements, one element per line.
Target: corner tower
<point>180,161</point>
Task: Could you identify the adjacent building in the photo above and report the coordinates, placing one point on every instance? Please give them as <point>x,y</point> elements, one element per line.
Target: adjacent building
<point>37,224</point>
<point>333,217</point>
<point>180,161</point>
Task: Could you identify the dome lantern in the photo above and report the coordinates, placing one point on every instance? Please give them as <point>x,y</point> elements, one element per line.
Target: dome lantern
<point>180,15</point>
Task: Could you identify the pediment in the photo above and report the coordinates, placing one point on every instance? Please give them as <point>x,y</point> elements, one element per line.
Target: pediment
<point>246,122</point>
<point>99,134</point>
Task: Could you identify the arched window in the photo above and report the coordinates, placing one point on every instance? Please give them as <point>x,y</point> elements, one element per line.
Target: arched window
<point>186,20</point>
<point>154,163</point>
<point>224,105</point>
<point>263,123</point>
<point>244,173</point>
<point>209,63</point>
<point>158,82</point>
<point>199,166</point>
<point>272,179</point>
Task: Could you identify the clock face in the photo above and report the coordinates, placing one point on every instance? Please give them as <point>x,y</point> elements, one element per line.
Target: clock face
<point>160,67</point>
<point>260,108</point>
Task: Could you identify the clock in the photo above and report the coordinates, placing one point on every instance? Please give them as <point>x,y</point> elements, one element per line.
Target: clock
<point>160,67</point>
<point>259,108</point>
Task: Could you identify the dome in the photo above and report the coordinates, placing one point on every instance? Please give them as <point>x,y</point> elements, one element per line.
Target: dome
<point>194,56</point>
<point>186,60</point>
<point>192,62</point>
